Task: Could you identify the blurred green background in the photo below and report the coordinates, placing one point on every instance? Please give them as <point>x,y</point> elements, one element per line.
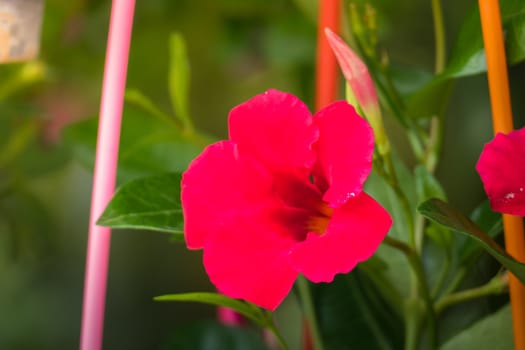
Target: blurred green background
<point>236,48</point>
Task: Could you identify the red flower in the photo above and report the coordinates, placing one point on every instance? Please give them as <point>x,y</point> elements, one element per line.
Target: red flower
<point>501,167</point>
<point>283,196</point>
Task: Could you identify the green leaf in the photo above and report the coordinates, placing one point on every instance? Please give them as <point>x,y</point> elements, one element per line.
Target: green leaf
<point>151,203</point>
<point>26,226</point>
<point>492,332</point>
<point>425,96</point>
<point>367,321</point>
<point>148,145</point>
<point>18,141</point>
<point>408,79</point>
<point>179,79</point>
<point>137,98</point>
<point>489,221</point>
<point>468,56</point>
<point>22,150</point>
<point>378,188</point>
<point>213,336</point>
<point>516,39</point>
<point>244,308</point>
<point>309,8</point>
<point>442,213</point>
<point>430,99</point>
<point>426,185</point>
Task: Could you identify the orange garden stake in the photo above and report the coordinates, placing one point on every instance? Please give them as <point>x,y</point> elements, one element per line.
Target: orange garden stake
<point>502,122</point>
<point>326,72</point>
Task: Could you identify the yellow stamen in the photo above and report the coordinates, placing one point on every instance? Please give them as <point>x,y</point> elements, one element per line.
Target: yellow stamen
<point>317,224</point>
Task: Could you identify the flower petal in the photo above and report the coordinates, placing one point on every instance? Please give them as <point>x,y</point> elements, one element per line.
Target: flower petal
<point>218,184</point>
<point>249,259</point>
<point>353,235</point>
<point>501,167</point>
<point>345,149</point>
<point>276,128</point>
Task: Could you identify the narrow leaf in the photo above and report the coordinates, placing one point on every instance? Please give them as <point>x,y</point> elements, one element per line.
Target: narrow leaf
<point>371,321</point>
<point>490,222</point>
<point>468,57</point>
<point>210,335</point>
<point>136,97</point>
<point>179,79</point>
<point>442,213</point>
<point>151,203</point>
<point>149,145</point>
<point>244,308</point>
<point>492,332</point>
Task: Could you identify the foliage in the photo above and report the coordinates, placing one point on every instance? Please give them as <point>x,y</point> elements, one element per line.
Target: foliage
<point>426,287</point>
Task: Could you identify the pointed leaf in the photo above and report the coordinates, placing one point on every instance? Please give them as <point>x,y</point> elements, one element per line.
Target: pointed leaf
<point>468,56</point>
<point>244,308</point>
<point>179,79</point>
<point>516,38</point>
<point>430,99</point>
<point>442,213</point>
<point>136,97</point>
<point>426,185</point>
<point>489,221</point>
<point>492,332</point>
<point>148,145</point>
<point>367,321</point>
<point>210,335</point>
<point>151,203</point>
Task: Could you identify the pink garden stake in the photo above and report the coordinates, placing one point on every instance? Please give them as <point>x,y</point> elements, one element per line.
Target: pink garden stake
<point>105,172</point>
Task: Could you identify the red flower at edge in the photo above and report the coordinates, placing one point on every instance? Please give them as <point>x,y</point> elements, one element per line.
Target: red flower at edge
<point>501,167</point>
<point>283,196</point>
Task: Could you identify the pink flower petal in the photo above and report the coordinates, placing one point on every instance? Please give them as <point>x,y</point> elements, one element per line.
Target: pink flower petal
<point>277,129</point>
<point>249,259</point>
<point>218,184</point>
<point>353,235</point>
<point>501,167</point>
<point>345,149</point>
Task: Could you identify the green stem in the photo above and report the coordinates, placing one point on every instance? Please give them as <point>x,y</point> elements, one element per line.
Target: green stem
<point>271,327</point>
<point>391,177</point>
<point>436,127</point>
<point>439,36</point>
<point>453,285</point>
<point>435,141</point>
<point>496,285</point>
<point>412,323</point>
<point>415,262</point>
<point>417,268</point>
<point>387,291</point>
<point>442,276</point>
<point>309,312</point>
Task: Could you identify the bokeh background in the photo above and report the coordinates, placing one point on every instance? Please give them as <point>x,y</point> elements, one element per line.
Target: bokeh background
<point>236,48</point>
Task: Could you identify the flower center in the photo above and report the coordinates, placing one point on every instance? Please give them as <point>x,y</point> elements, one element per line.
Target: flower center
<point>318,222</point>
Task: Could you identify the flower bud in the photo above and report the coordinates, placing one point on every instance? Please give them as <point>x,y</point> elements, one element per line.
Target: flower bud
<point>361,91</point>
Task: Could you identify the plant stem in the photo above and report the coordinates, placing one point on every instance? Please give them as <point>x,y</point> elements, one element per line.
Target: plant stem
<point>417,267</point>
<point>271,327</point>
<point>413,318</point>
<point>439,36</point>
<point>460,275</point>
<point>442,276</point>
<point>496,285</point>
<point>309,312</point>
<point>389,174</point>
<point>412,323</point>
